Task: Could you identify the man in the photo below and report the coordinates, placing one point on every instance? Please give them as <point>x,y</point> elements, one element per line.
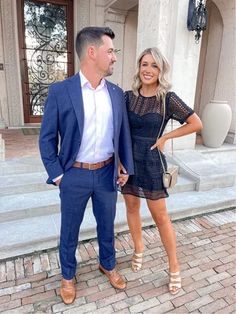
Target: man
<point>89,116</point>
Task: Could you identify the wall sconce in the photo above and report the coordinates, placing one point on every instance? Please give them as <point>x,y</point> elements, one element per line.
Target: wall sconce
<point>197,18</point>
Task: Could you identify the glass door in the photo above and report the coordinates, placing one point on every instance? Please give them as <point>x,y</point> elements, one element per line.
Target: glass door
<point>46,50</point>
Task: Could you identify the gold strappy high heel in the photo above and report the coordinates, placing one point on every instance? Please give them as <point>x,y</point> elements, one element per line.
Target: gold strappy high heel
<point>175,283</point>
<point>137,261</point>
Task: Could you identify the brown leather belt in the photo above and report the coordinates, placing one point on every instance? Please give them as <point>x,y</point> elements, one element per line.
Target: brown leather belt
<point>97,165</point>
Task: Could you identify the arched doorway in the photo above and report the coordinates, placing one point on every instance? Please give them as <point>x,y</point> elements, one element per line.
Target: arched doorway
<point>209,58</point>
<point>46,50</point>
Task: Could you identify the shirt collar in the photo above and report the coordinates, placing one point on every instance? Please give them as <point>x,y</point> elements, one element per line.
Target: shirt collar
<point>85,82</point>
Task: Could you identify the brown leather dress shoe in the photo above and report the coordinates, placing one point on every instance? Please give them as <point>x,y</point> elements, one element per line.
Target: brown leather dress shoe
<point>67,291</point>
<point>114,277</point>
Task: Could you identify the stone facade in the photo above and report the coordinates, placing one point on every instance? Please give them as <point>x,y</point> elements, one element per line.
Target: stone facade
<point>11,98</point>
<point>200,72</point>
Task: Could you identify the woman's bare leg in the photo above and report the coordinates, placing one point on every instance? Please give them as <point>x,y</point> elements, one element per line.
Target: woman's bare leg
<point>160,216</point>
<point>134,221</point>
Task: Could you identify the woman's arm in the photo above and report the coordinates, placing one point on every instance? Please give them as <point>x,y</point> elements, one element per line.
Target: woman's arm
<point>193,124</point>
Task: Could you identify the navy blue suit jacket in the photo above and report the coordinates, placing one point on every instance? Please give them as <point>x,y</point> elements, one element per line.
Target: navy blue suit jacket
<point>63,123</point>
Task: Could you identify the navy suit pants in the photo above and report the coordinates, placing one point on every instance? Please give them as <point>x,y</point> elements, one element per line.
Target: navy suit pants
<point>76,188</point>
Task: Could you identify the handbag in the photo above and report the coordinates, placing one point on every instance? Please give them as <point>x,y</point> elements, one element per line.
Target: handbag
<point>170,175</point>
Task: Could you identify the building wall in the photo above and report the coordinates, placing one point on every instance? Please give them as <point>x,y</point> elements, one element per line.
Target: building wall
<point>81,19</point>
<point>12,110</point>
<point>130,44</point>
<point>3,90</point>
<point>116,21</point>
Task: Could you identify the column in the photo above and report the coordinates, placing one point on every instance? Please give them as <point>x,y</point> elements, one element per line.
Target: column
<point>156,25</point>
<point>4,119</point>
<point>11,64</point>
<point>166,28</point>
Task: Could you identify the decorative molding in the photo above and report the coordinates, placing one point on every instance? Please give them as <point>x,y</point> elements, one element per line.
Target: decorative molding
<point>115,16</point>
<point>109,3</point>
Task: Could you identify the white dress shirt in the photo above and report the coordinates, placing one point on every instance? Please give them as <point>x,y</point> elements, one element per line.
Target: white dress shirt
<point>97,139</point>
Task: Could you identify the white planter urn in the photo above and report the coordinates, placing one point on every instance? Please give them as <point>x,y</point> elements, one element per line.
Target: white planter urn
<point>216,119</point>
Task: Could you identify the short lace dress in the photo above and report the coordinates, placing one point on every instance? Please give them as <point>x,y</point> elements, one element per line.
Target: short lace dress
<point>145,118</point>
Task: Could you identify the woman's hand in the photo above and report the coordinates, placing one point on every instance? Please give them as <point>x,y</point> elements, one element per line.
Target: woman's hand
<point>122,175</point>
<point>160,144</point>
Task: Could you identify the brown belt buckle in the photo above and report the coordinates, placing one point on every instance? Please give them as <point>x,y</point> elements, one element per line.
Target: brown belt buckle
<point>91,166</point>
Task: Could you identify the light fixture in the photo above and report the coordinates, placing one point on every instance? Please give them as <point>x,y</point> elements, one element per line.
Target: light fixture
<point>197,17</point>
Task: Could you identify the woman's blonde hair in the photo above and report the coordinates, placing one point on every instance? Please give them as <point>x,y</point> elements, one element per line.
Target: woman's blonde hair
<point>163,66</point>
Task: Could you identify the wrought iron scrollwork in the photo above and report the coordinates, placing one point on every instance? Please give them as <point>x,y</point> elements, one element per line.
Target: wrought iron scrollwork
<point>46,49</point>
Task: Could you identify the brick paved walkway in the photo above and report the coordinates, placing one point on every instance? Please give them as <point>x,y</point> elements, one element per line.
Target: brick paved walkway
<point>206,248</point>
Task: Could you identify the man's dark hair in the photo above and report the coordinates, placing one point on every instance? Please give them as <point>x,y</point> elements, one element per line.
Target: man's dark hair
<point>91,35</point>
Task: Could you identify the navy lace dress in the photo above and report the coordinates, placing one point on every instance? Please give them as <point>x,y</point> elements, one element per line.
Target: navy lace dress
<point>145,118</point>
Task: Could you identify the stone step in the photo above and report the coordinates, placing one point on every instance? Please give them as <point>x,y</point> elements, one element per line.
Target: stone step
<point>206,168</point>
<point>184,184</point>
<point>28,203</point>
<point>226,154</point>
<point>34,182</point>
<point>24,183</point>
<point>21,165</point>
<point>19,237</point>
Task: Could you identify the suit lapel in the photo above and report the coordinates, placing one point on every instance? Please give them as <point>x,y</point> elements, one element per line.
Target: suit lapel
<point>115,107</point>
<point>74,89</point>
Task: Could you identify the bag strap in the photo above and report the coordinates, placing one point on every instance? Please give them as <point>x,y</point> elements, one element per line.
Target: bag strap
<point>163,102</point>
<point>172,141</point>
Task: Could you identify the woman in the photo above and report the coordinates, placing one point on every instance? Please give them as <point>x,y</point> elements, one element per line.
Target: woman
<point>145,110</point>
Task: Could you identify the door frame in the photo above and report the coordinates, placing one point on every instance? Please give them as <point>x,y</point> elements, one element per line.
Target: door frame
<point>22,51</point>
